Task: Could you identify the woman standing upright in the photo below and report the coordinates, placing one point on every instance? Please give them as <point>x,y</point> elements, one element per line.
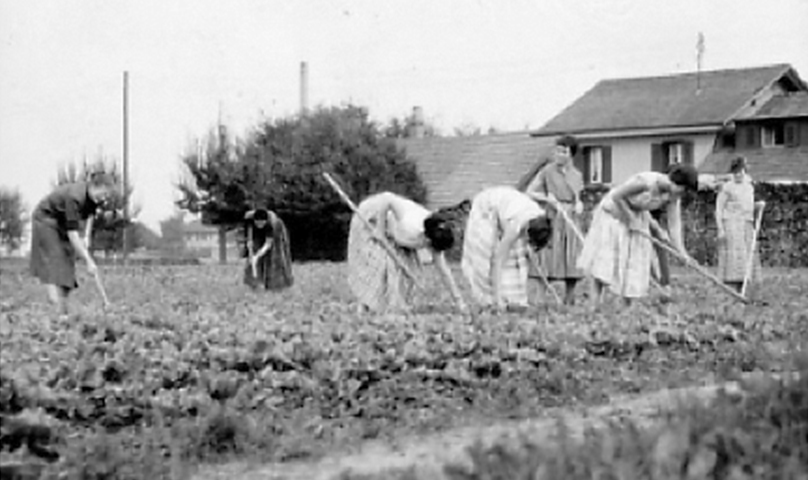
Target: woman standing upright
<point>503,223</point>
<point>269,257</point>
<point>55,238</point>
<point>734,217</point>
<point>560,183</point>
<point>614,252</point>
<point>373,276</point>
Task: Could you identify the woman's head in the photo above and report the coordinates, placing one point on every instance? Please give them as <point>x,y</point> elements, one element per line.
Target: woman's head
<point>684,176</point>
<point>260,218</point>
<point>100,187</point>
<point>539,232</point>
<point>565,148</point>
<point>438,231</point>
<point>738,168</point>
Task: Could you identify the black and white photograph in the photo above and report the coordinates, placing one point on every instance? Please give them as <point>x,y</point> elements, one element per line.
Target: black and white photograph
<point>413,240</point>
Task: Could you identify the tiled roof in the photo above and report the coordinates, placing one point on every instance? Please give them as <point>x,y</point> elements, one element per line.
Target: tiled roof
<point>774,164</point>
<point>456,168</point>
<point>666,101</point>
<point>783,106</point>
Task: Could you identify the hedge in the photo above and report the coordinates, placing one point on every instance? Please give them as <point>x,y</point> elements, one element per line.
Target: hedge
<point>783,239</point>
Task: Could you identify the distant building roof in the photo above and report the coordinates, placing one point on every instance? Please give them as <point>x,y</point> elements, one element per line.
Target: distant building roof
<point>792,105</point>
<point>454,169</point>
<point>668,101</point>
<point>776,164</point>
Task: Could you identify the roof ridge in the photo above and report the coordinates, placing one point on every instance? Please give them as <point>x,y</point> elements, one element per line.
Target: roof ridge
<point>773,66</point>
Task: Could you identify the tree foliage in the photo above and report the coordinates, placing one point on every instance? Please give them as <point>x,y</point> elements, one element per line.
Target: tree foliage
<point>12,219</point>
<point>110,222</point>
<point>280,164</point>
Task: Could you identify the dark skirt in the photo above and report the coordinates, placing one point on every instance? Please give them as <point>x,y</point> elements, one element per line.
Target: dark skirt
<point>52,257</point>
<point>275,268</point>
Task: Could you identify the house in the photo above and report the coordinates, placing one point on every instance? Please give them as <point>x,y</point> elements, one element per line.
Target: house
<point>630,125</point>
<point>773,139</point>
<point>454,169</point>
<point>203,241</point>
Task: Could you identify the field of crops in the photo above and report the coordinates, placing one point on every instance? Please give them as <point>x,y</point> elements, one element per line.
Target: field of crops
<point>189,366</point>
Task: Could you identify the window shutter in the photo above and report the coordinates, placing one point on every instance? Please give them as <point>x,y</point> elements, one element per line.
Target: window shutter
<point>606,172</point>
<point>581,162</point>
<point>659,161</point>
<point>791,135</point>
<point>687,152</point>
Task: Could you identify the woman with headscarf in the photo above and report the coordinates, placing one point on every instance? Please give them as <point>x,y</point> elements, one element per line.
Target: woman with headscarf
<point>615,253</point>
<point>55,238</point>
<point>734,217</point>
<point>269,257</point>
<point>373,276</point>
<point>502,224</point>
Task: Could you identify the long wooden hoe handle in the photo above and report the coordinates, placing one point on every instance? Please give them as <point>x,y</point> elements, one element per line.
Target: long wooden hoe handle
<point>383,241</point>
<point>101,290</point>
<point>751,261</point>
<point>695,266</point>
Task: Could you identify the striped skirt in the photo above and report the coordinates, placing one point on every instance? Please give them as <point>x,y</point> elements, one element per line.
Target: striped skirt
<point>560,257</point>
<point>479,244</point>
<point>373,277</point>
<point>617,257</point>
<point>734,253</point>
<point>52,257</point>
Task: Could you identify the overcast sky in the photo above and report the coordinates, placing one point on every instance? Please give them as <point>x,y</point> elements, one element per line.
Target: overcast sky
<point>508,64</point>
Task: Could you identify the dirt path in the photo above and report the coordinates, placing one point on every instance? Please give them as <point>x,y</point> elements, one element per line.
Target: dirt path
<point>429,453</point>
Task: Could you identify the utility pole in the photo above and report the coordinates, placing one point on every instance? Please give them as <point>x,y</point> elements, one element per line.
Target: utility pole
<point>699,54</point>
<point>125,186</point>
<point>304,88</point>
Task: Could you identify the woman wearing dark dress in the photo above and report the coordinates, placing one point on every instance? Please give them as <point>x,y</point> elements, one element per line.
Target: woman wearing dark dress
<point>55,238</point>
<point>269,257</point>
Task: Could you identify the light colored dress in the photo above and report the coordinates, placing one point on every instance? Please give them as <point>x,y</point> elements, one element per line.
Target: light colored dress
<point>493,210</point>
<point>614,255</point>
<point>735,206</point>
<point>374,277</point>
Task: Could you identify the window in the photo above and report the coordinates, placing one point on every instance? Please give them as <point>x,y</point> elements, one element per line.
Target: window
<point>675,153</point>
<point>595,165</point>
<point>773,135</point>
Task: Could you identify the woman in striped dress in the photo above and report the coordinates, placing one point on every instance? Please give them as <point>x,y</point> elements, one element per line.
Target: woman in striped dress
<point>734,217</point>
<point>501,224</point>
<point>614,253</point>
<point>55,238</point>
<point>373,276</point>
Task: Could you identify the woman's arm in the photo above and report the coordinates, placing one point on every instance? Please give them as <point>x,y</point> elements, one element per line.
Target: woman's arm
<point>78,245</point>
<point>620,196</point>
<point>88,232</point>
<point>264,248</point>
<point>720,203</point>
<point>675,225</point>
<point>446,274</point>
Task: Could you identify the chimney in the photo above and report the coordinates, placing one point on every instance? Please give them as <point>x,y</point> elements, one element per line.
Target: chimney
<point>304,88</point>
<point>417,123</point>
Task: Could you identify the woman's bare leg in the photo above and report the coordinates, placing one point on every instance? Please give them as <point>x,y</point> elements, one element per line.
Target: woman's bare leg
<point>58,297</point>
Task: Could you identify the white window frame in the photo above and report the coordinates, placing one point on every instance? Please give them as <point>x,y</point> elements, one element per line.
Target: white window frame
<point>675,153</point>
<point>595,160</point>
<point>768,136</point>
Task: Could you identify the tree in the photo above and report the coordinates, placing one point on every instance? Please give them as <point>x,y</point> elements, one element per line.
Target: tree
<point>172,233</point>
<point>279,166</point>
<point>12,219</point>
<point>109,223</point>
